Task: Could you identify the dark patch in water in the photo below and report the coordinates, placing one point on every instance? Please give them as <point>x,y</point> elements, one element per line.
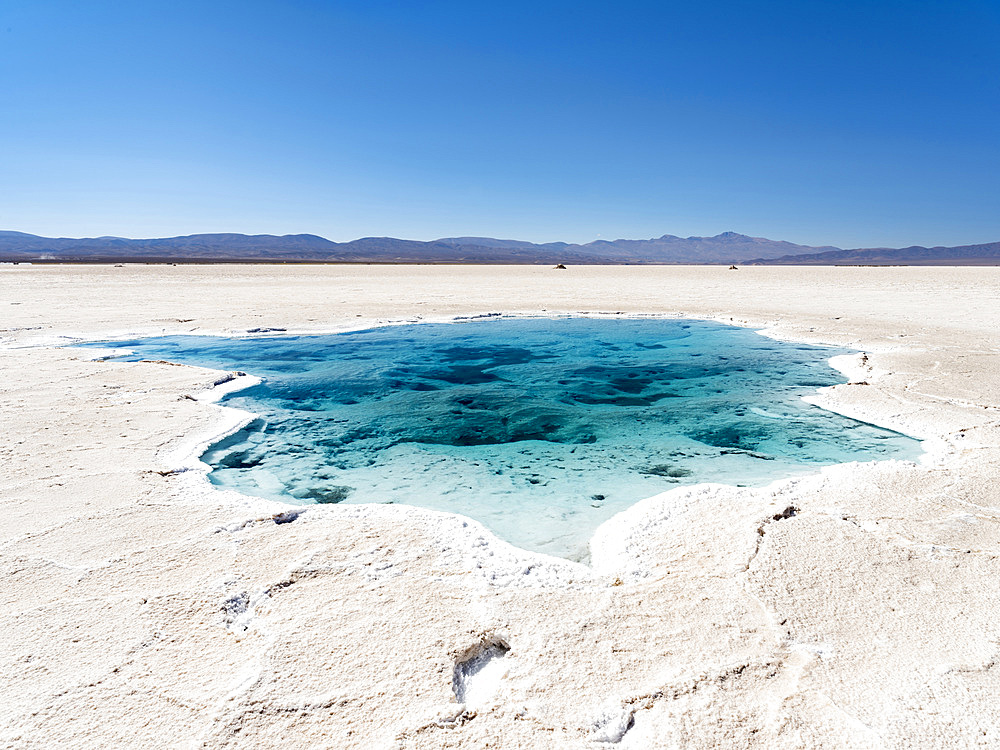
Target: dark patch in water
<point>731,436</point>
<point>330,495</point>
<point>666,470</point>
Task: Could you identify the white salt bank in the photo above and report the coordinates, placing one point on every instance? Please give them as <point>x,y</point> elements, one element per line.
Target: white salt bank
<point>710,615</point>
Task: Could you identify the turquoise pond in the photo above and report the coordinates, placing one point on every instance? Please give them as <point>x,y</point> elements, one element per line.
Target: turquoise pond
<point>539,428</point>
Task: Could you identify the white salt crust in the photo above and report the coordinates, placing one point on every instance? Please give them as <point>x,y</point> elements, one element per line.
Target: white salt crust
<point>850,608</point>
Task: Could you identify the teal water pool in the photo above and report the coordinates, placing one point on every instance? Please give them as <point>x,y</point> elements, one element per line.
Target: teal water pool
<point>539,428</point>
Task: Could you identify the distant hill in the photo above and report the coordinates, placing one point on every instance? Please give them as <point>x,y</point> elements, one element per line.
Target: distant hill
<point>725,248</point>
<point>221,246</point>
<point>964,255</point>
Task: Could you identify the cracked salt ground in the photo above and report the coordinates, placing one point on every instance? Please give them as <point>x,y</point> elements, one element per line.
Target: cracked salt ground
<point>542,429</point>
<point>866,619</point>
<point>477,677</point>
<point>611,722</point>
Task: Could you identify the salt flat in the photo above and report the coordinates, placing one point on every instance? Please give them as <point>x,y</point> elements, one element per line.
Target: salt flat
<point>855,608</point>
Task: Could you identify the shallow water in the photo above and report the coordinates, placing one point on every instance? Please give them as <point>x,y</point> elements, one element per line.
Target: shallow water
<point>539,428</point>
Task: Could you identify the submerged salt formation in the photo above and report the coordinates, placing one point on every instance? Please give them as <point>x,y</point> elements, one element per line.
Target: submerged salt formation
<point>540,428</point>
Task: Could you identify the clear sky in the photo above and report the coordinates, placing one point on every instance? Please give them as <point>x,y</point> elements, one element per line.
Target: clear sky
<point>815,121</point>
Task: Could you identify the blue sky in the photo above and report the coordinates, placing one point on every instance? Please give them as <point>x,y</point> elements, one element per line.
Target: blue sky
<point>820,122</point>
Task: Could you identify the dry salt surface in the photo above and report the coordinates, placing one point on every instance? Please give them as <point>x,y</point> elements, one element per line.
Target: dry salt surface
<point>141,607</point>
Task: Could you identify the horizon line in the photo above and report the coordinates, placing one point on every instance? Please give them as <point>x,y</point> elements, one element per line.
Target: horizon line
<point>486,237</point>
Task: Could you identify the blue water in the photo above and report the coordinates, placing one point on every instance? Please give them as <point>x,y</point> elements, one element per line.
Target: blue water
<point>539,428</point>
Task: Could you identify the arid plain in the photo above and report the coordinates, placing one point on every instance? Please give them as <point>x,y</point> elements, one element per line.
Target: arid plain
<point>857,608</point>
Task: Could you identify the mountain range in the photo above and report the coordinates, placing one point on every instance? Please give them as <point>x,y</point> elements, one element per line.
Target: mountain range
<point>725,248</point>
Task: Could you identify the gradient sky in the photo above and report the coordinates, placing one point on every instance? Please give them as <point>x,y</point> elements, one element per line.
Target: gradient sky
<point>820,122</point>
